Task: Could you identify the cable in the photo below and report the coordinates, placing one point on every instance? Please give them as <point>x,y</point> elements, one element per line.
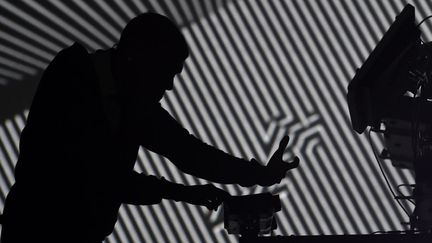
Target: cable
<point>423,20</point>
<point>384,175</point>
<point>403,195</point>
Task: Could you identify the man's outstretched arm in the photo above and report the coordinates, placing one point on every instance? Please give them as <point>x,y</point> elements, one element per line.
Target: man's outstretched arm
<point>141,189</point>
<point>162,134</point>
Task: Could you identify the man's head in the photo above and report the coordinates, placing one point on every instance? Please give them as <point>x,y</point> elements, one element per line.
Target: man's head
<point>151,51</point>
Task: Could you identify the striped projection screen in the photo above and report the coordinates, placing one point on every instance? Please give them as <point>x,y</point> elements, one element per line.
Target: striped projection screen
<point>258,69</point>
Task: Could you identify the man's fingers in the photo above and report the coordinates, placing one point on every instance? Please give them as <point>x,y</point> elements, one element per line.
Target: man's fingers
<point>295,163</point>
<point>217,197</point>
<point>285,166</point>
<point>279,152</point>
<point>284,142</point>
<point>213,204</point>
<point>282,146</point>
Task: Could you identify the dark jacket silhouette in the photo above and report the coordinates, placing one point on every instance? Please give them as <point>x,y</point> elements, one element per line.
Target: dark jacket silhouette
<point>78,149</point>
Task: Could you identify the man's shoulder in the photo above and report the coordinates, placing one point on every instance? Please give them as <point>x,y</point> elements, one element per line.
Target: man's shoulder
<point>75,55</point>
<point>76,49</point>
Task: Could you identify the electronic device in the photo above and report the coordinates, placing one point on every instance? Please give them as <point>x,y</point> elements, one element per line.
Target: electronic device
<point>392,94</point>
<point>251,215</point>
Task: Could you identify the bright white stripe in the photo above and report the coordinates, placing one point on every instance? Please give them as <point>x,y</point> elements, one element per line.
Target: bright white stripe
<point>292,213</point>
<point>200,133</point>
<point>199,11</point>
<point>128,224</point>
<point>324,181</point>
<point>156,7</point>
<point>342,35</point>
<point>302,137</point>
<point>35,22</point>
<point>409,175</point>
<point>400,5</point>
<point>23,57</point>
<point>370,19</point>
<point>9,178</point>
<point>297,63</point>
<point>232,98</point>
<point>121,230</point>
<point>17,66</point>
<point>242,70</point>
<point>10,74</point>
<point>125,8</point>
<point>186,10</point>
<point>172,169</point>
<point>277,95</point>
<point>295,193</point>
<point>192,113</point>
<point>140,6</point>
<point>175,103</point>
<point>145,162</point>
<point>341,78</point>
<point>142,228</point>
<point>355,17</point>
<point>204,88</point>
<point>189,85</point>
<point>382,19</point>
<point>176,15</point>
<point>151,221</point>
<point>347,19</point>
<point>166,229</point>
<point>9,154</point>
<point>342,186</point>
<point>25,45</point>
<point>312,89</point>
<point>36,38</point>
<point>200,221</point>
<point>179,227</point>
<point>325,66</point>
<point>159,170</point>
<point>238,110</point>
<point>62,24</point>
<point>208,122</point>
<point>426,32</point>
<point>327,163</point>
<point>294,80</point>
<point>355,147</point>
<point>110,12</point>
<point>247,58</point>
<point>308,176</point>
<point>83,23</point>
<point>115,33</point>
<point>348,134</point>
<point>321,108</point>
<point>187,221</point>
<point>13,132</point>
<point>201,83</point>
<point>259,59</point>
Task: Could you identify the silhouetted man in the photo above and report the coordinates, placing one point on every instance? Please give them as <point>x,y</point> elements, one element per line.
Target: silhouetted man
<point>90,114</point>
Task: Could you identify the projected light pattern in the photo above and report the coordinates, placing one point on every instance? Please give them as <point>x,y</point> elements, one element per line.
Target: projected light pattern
<point>257,70</point>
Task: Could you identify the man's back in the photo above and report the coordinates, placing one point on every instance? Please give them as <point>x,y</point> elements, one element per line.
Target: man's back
<point>69,160</point>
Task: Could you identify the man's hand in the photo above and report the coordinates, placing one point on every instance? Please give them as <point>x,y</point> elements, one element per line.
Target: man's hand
<point>276,168</point>
<point>204,195</point>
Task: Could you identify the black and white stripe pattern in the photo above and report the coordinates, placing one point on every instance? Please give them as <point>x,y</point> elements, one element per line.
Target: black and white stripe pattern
<point>258,70</point>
